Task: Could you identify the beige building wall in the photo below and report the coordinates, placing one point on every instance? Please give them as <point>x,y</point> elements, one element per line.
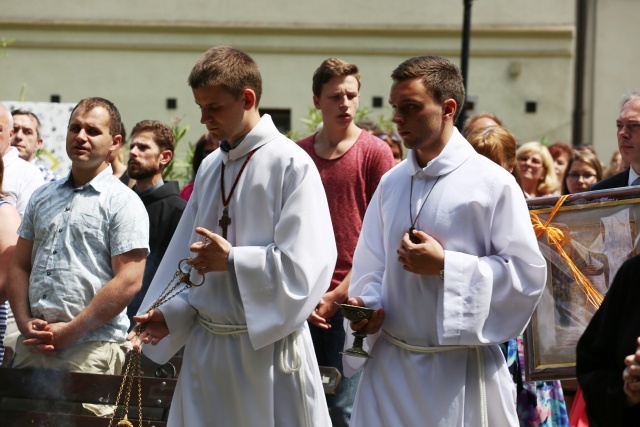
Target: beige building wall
<point>139,53</point>
<point>612,69</point>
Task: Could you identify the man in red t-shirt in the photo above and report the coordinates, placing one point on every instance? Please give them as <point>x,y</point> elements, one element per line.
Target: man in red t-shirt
<point>351,162</point>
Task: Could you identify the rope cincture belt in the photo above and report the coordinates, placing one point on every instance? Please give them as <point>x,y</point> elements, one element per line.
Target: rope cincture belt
<point>291,347</point>
<point>419,349</point>
<point>220,329</point>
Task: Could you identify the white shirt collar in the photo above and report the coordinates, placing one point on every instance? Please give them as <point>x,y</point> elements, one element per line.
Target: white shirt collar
<point>455,152</point>
<point>10,156</point>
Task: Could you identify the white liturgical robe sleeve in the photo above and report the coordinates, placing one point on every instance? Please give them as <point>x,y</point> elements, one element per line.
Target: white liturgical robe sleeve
<point>281,283</point>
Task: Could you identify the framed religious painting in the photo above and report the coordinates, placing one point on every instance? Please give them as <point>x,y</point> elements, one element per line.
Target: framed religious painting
<point>584,238</point>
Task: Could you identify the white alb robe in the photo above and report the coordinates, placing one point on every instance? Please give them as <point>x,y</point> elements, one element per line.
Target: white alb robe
<point>494,277</point>
<point>284,254</point>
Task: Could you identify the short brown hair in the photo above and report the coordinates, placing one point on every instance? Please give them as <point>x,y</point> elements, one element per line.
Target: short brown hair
<point>162,134</point>
<point>88,104</point>
<point>228,67</point>
<point>330,68</point>
<point>123,132</point>
<point>439,76</point>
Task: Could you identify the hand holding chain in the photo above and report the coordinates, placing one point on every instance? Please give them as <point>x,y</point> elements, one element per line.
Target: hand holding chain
<point>133,368</point>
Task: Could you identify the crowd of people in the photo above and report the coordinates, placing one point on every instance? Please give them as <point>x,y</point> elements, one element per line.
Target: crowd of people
<point>280,233</point>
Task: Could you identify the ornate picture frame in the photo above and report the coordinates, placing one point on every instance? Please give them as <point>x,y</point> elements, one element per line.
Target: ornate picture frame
<point>600,230</point>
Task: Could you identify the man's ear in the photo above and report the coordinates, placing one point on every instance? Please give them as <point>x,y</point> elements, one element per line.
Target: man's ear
<point>249,97</point>
<point>115,142</point>
<point>449,109</point>
<point>39,144</point>
<point>316,102</point>
<point>165,158</point>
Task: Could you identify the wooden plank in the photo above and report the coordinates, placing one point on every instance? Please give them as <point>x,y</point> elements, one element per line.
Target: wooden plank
<point>45,384</point>
<point>42,419</point>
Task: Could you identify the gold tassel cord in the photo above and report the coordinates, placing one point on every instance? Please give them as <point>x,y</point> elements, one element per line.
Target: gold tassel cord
<point>555,237</point>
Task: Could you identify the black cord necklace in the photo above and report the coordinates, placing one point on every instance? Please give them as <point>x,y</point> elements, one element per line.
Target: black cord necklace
<point>413,238</point>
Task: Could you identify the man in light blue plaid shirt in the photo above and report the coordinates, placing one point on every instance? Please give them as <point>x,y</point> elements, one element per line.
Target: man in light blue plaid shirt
<point>80,256</point>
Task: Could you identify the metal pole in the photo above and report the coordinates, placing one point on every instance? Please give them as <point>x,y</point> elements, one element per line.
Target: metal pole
<point>464,55</point>
<point>578,96</point>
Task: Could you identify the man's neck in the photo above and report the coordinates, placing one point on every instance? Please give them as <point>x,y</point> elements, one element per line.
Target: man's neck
<point>530,188</point>
<point>252,118</point>
<point>331,143</point>
<point>146,183</point>
<point>118,167</point>
<point>425,154</point>
<point>84,176</point>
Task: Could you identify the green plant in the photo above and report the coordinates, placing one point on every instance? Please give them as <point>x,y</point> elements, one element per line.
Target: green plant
<point>314,118</point>
<point>384,122</point>
<point>179,169</point>
<point>23,89</point>
<point>4,44</point>
<point>44,153</point>
<point>293,135</point>
<point>362,113</point>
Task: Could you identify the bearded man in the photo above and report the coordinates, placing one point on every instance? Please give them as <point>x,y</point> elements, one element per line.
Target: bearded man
<point>151,150</point>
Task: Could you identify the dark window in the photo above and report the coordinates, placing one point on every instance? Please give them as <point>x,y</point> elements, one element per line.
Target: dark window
<point>531,106</point>
<point>281,118</point>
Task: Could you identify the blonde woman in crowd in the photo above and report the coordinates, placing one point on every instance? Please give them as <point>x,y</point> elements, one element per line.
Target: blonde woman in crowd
<point>537,170</point>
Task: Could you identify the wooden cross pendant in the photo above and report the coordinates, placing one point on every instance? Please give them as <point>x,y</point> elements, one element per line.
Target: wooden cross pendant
<point>414,239</point>
<point>224,222</point>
